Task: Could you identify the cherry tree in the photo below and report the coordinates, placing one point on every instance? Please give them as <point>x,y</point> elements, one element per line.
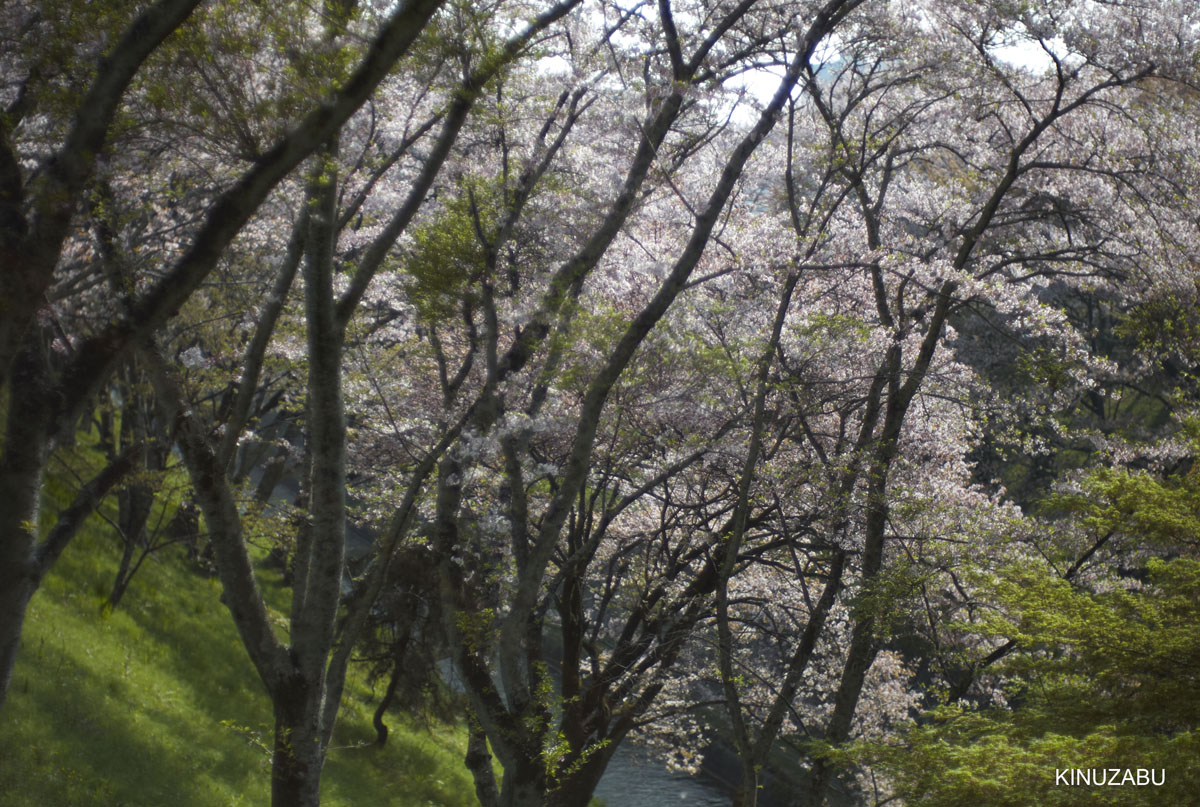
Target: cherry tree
<point>903,227</point>
<point>677,405</point>
<point>305,673</point>
<point>563,544</point>
<point>50,156</point>
<point>942,150</point>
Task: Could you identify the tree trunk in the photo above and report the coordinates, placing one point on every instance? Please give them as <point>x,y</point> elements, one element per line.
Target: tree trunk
<point>863,643</point>
<point>121,581</point>
<point>479,763</point>
<point>299,754</point>
<point>18,570</point>
<point>524,785</point>
<point>746,794</point>
<point>135,503</point>
<point>381,729</point>
<point>26,444</point>
<point>272,475</point>
<point>16,588</point>
<point>577,789</point>
<point>863,649</point>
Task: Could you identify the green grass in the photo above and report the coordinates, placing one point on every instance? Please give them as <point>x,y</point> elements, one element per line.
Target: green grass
<point>157,704</point>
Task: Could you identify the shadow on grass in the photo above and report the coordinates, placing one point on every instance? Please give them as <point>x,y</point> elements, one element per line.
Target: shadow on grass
<point>98,740</point>
<point>158,705</point>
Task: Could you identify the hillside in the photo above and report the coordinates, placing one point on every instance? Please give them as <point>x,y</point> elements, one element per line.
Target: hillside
<point>156,703</point>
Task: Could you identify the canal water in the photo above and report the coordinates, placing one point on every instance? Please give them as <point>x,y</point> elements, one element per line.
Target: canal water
<point>635,778</point>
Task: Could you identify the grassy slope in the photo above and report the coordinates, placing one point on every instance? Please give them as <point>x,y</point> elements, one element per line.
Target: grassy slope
<point>157,704</point>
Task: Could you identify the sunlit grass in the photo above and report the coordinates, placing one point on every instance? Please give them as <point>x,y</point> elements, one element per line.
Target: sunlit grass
<point>157,703</point>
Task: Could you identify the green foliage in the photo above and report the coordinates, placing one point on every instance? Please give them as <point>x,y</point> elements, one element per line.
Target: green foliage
<point>1165,326</point>
<point>478,629</point>
<point>448,256</point>
<point>968,759</point>
<point>1143,509</point>
<point>1100,681</point>
<point>835,328</point>
<point>1125,658</point>
<point>1103,677</point>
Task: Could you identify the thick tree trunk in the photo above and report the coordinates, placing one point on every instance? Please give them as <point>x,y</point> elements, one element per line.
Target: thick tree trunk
<point>863,642</point>
<point>25,449</point>
<point>302,724</point>
<point>746,794</point>
<point>18,571</point>
<point>863,649</point>
<point>524,785</point>
<point>299,753</point>
<point>577,789</point>
<point>24,561</point>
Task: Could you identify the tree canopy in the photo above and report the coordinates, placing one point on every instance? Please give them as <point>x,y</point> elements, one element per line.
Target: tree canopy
<point>813,379</point>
